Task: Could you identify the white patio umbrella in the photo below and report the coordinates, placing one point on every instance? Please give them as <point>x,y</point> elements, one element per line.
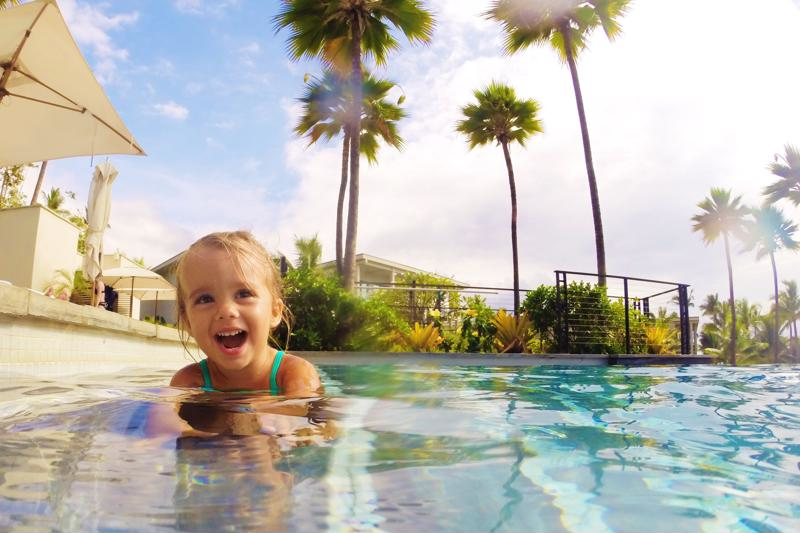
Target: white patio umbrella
<point>51,105</point>
<point>137,280</point>
<point>98,210</point>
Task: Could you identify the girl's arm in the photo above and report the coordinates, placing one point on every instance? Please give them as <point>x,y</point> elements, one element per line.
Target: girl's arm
<point>298,378</point>
<point>188,376</point>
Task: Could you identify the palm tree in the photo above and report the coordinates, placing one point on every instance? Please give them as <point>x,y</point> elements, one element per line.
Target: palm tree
<point>790,309</point>
<point>325,105</point>
<point>55,199</point>
<point>339,32</point>
<point>787,168</point>
<point>499,116</point>
<point>565,25</point>
<point>722,216</point>
<point>768,232</point>
<point>309,252</point>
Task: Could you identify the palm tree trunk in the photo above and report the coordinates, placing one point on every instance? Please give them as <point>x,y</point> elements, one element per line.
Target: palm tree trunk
<point>599,240</point>
<point>731,302</point>
<point>340,203</point>
<point>355,148</point>
<point>777,334</point>
<point>513,189</point>
<point>39,182</point>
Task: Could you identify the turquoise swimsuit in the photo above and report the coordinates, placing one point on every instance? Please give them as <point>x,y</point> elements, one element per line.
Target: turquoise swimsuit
<point>273,381</point>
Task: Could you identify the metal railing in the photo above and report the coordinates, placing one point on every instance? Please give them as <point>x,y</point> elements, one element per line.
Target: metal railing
<point>627,315</point>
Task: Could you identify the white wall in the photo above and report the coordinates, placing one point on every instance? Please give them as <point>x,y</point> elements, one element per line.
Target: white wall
<point>35,243</point>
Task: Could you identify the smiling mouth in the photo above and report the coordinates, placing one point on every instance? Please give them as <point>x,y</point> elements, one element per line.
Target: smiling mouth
<point>231,339</point>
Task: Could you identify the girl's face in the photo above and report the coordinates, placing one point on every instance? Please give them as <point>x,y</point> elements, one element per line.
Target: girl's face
<point>228,314</point>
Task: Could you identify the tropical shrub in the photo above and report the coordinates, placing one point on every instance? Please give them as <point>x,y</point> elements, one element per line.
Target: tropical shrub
<point>596,322</point>
<point>326,317</point>
<point>425,338</point>
<point>477,329</point>
<point>415,305</point>
<point>540,307</point>
<point>512,333</point>
<point>11,186</point>
<point>660,339</point>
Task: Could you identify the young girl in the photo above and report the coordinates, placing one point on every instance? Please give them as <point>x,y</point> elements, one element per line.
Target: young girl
<point>229,300</point>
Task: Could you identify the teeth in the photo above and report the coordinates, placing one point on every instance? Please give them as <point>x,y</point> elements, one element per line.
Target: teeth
<point>229,333</point>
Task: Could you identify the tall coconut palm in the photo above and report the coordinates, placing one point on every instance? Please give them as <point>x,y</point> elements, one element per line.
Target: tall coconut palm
<point>565,25</point>
<point>339,32</point>
<point>790,311</point>
<point>723,216</point>
<point>325,107</point>
<point>768,232</point>
<point>500,117</point>
<point>787,168</point>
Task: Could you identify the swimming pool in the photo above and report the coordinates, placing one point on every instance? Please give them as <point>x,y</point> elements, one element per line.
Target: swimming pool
<point>408,447</point>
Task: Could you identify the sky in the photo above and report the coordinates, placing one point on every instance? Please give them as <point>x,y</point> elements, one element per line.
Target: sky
<point>693,94</point>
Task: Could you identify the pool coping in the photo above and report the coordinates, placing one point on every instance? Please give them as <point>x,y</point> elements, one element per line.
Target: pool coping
<point>489,359</point>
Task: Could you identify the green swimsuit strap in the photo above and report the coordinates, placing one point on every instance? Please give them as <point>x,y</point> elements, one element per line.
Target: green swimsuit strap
<point>206,376</point>
<point>273,377</point>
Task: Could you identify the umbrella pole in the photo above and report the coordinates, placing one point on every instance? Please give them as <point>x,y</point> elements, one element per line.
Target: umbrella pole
<point>155,313</point>
<point>130,306</point>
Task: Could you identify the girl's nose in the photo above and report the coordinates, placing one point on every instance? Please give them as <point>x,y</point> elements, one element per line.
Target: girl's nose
<point>227,310</point>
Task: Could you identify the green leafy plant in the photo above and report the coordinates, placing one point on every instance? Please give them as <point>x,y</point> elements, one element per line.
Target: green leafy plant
<point>66,284</point>
<point>326,317</point>
<point>419,302</point>
<point>660,339</point>
<point>512,332</point>
<point>425,338</point>
<point>477,329</point>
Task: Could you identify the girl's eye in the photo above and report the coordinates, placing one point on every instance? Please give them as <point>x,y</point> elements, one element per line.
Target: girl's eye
<point>244,293</point>
<point>203,299</point>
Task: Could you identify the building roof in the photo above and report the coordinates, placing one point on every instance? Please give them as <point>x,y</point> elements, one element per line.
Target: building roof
<point>386,264</point>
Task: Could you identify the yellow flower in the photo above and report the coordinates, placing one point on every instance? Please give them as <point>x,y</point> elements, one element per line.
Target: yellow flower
<point>474,333</point>
<point>435,313</point>
<point>472,312</point>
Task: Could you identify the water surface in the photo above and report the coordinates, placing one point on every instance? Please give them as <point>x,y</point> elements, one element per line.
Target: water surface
<point>406,447</point>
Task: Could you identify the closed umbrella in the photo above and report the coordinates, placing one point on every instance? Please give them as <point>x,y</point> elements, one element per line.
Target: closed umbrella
<point>51,105</point>
<point>98,210</point>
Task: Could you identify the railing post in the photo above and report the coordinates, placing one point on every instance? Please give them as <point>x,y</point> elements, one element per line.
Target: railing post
<point>683,305</point>
<point>562,311</point>
<point>627,319</point>
<point>412,301</point>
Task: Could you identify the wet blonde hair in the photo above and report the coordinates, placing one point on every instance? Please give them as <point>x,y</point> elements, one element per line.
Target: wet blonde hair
<point>245,251</point>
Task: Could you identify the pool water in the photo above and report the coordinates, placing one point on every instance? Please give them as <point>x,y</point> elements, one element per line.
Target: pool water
<point>407,447</point>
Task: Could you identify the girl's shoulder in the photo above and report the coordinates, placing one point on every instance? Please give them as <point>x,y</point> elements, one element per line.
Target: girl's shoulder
<point>297,376</point>
<point>188,376</point>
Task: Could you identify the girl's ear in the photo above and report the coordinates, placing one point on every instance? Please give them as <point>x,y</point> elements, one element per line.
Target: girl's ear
<point>183,318</point>
<point>277,313</point>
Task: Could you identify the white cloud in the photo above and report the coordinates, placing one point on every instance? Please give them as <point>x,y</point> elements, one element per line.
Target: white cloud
<point>90,25</point>
<point>171,110</point>
<point>252,48</point>
<point>251,164</point>
<point>194,87</point>
<point>204,7</point>
<point>213,143</point>
<point>226,124</point>
<point>138,229</point>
